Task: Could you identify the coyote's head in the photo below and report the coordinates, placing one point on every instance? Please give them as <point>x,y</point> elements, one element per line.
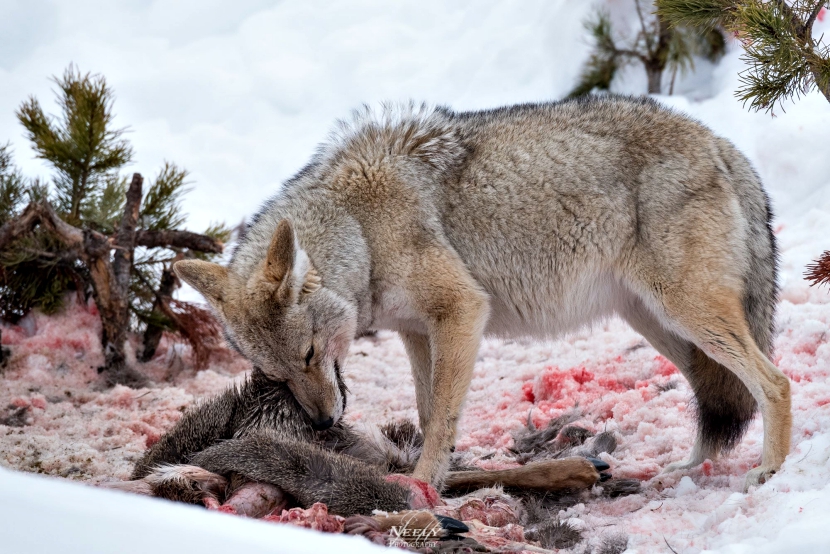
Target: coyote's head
<point>284,319</point>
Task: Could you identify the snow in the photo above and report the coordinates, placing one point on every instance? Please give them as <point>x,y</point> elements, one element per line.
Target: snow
<point>44,516</point>
<point>240,96</point>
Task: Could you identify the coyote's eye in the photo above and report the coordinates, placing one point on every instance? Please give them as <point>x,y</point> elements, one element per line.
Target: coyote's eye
<point>309,355</point>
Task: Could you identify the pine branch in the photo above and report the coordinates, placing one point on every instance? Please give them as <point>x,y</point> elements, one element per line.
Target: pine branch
<point>784,60</point>
<point>40,213</point>
<point>12,188</point>
<point>105,206</point>
<point>819,272</point>
<point>81,145</point>
<point>704,14</point>
<point>178,239</point>
<point>161,209</point>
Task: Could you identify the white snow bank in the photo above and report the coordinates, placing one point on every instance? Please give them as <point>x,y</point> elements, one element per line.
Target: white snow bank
<point>49,516</point>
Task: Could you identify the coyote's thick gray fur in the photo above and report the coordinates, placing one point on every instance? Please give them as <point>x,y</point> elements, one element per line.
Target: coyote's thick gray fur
<point>528,220</point>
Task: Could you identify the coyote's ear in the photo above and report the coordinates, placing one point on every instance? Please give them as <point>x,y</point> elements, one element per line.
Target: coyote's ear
<point>281,252</point>
<point>287,267</point>
<point>208,278</point>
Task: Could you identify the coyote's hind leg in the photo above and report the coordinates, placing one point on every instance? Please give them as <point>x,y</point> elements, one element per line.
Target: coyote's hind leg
<point>716,323</point>
<point>724,405</point>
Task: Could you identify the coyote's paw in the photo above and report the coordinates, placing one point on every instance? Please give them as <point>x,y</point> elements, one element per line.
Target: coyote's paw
<point>678,466</point>
<point>758,476</point>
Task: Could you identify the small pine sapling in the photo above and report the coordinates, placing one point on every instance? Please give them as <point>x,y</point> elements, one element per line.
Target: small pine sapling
<point>656,45</point>
<point>93,231</point>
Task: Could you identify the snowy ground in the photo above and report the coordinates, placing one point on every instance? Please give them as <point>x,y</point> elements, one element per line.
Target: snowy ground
<point>241,98</point>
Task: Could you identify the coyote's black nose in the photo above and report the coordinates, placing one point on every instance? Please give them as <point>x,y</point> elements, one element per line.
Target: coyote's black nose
<point>323,425</point>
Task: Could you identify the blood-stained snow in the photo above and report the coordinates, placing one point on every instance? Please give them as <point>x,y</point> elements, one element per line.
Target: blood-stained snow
<point>53,421</point>
<point>607,374</point>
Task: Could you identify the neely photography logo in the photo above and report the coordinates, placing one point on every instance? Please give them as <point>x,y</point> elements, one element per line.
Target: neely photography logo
<point>414,537</point>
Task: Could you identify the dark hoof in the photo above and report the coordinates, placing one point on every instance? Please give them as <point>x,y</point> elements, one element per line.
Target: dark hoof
<point>452,525</point>
<point>599,464</point>
<point>603,477</point>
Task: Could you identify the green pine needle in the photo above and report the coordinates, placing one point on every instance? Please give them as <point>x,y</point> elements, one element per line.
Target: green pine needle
<point>161,208</point>
<point>705,14</point>
<point>80,143</point>
<point>12,186</point>
<point>604,61</point>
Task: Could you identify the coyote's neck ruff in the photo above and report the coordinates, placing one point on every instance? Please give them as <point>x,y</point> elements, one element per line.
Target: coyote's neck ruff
<point>528,220</point>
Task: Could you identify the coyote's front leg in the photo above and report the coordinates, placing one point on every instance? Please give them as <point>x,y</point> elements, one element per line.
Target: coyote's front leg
<point>455,311</point>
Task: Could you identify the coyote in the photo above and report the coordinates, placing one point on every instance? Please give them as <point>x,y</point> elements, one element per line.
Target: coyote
<point>528,220</point>
<point>254,448</point>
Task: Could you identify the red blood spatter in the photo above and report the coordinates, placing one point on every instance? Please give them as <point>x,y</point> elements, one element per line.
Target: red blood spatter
<point>423,494</point>
<point>582,375</point>
<point>151,439</point>
<point>612,385</point>
<point>39,402</point>
<point>821,14</point>
<point>20,402</point>
<point>797,377</point>
<point>555,382</point>
<point>492,511</point>
<point>707,466</point>
<point>823,402</point>
<point>527,392</point>
<point>806,348</point>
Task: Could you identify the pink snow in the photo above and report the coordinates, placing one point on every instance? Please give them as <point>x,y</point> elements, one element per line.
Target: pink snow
<point>608,375</point>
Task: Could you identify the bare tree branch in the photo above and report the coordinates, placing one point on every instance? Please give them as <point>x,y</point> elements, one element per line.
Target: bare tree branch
<point>125,238</point>
<point>21,225</point>
<point>37,213</point>
<point>808,25</point>
<point>178,239</point>
<point>646,35</point>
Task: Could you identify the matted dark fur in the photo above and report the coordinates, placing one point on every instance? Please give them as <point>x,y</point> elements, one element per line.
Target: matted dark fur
<point>554,533</point>
<point>558,439</point>
<point>616,543</point>
<point>258,431</point>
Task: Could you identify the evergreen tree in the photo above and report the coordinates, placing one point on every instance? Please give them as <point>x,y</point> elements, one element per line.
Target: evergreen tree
<point>783,56</point>
<point>96,233</point>
<point>656,45</point>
